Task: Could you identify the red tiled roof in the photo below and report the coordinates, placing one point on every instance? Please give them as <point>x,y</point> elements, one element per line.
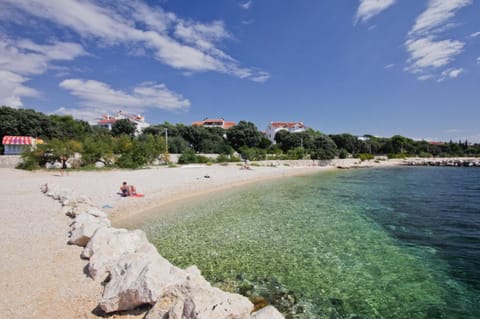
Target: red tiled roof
<point>17,140</point>
<point>225,124</point>
<point>287,124</point>
<point>228,124</point>
<point>107,121</point>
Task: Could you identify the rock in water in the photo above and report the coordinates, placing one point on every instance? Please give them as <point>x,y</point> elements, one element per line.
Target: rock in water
<point>268,312</point>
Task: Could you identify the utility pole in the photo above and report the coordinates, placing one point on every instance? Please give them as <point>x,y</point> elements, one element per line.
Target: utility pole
<point>166,140</point>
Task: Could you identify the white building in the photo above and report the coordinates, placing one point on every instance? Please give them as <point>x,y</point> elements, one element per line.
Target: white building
<point>107,121</point>
<point>292,127</point>
<point>206,122</point>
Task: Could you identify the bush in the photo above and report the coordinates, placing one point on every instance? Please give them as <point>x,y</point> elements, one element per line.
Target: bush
<point>425,154</point>
<point>296,153</point>
<point>397,156</point>
<point>365,157</point>
<point>253,153</point>
<point>342,153</point>
<point>188,157</point>
<point>28,163</point>
<point>222,158</point>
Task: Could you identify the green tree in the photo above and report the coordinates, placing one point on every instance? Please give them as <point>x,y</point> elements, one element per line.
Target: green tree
<point>324,148</point>
<point>124,126</point>
<point>244,134</point>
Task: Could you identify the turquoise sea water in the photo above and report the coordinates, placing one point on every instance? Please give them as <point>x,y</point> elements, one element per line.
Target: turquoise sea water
<point>374,243</point>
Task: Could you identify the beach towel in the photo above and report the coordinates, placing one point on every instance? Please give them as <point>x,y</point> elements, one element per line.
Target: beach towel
<point>137,195</point>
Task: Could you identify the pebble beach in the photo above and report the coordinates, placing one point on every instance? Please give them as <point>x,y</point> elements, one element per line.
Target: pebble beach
<point>43,276</point>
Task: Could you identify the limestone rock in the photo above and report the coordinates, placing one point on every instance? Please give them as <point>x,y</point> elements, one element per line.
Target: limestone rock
<point>138,279</point>
<point>195,298</point>
<point>108,245</point>
<point>76,200</point>
<point>269,312</point>
<point>99,164</point>
<point>80,208</point>
<point>83,228</point>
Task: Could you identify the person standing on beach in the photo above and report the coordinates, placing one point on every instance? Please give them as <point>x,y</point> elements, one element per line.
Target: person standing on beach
<point>63,160</point>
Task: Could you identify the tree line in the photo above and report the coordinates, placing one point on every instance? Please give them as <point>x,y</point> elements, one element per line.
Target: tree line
<point>66,136</point>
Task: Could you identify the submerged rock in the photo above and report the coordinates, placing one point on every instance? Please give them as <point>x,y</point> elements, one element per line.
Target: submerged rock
<point>269,312</point>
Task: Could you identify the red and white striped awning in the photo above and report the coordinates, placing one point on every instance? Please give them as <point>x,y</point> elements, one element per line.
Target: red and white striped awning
<point>17,140</point>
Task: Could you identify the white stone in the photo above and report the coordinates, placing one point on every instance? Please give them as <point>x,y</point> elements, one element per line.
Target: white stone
<point>195,298</point>
<point>138,279</point>
<point>99,164</point>
<point>108,245</point>
<point>83,228</point>
<point>269,312</point>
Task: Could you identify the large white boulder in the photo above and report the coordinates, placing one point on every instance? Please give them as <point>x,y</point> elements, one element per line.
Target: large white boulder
<point>76,200</point>
<point>195,298</point>
<point>80,208</point>
<point>138,279</point>
<point>83,228</point>
<point>108,245</point>
<point>269,312</point>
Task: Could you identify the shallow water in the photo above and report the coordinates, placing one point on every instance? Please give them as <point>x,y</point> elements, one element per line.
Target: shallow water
<point>376,243</point>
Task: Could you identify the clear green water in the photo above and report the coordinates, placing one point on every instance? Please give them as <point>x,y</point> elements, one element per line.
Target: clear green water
<point>312,247</point>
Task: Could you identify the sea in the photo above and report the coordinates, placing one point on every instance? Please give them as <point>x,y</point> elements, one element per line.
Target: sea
<point>400,242</point>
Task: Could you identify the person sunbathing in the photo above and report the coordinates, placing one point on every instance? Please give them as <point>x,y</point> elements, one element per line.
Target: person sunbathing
<point>127,190</point>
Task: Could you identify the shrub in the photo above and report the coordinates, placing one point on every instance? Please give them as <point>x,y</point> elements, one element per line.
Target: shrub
<point>342,153</point>
<point>188,157</point>
<point>222,158</point>
<point>397,156</point>
<point>365,156</point>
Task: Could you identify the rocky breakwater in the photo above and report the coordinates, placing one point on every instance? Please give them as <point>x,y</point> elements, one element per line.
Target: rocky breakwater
<point>134,273</point>
<point>451,162</point>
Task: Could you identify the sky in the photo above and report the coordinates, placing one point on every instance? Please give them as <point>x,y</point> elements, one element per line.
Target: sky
<point>380,67</point>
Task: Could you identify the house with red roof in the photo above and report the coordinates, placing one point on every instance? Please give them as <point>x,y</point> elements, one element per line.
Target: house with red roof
<point>274,127</point>
<point>107,121</point>
<point>15,145</point>
<point>206,122</point>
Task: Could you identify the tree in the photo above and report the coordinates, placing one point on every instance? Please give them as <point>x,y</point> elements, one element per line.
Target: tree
<point>124,126</point>
<point>244,134</point>
<point>324,148</point>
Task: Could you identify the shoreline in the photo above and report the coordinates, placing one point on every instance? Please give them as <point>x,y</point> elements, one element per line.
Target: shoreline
<point>123,216</point>
<point>42,276</point>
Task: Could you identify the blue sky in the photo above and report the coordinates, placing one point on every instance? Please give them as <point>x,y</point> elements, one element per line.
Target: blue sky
<point>380,67</point>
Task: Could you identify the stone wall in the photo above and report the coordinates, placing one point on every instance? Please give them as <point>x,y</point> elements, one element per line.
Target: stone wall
<point>9,161</point>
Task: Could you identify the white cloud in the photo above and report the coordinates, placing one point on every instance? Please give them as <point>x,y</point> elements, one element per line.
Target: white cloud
<point>19,59</point>
<point>453,73</point>
<point>389,66</point>
<point>97,97</point>
<point>246,5</point>
<point>176,42</point>
<point>450,73</point>
<point>425,77</point>
<point>12,89</point>
<point>474,35</point>
<point>427,52</point>
<point>437,14</point>
<point>370,8</point>
<point>478,60</point>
